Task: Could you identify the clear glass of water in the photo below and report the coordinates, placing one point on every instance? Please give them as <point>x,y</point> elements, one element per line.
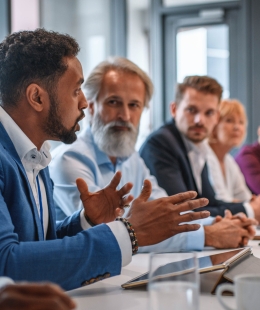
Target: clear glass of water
<point>173,281</point>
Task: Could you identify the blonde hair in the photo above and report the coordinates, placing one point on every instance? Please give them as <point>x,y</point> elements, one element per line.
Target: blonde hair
<point>228,107</point>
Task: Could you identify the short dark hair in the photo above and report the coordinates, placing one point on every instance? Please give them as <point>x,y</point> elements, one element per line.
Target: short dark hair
<point>204,84</point>
<point>32,57</point>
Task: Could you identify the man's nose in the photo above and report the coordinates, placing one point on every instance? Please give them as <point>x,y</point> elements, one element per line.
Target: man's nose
<point>83,104</point>
<point>199,118</point>
<point>124,114</point>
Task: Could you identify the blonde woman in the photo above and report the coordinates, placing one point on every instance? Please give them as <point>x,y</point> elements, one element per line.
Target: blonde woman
<point>225,175</point>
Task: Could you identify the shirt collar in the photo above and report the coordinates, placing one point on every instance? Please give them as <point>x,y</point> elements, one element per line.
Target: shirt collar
<point>199,148</point>
<point>21,142</point>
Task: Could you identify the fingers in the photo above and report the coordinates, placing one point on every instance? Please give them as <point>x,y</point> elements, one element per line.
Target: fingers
<point>245,241</point>
<point>192,204</point>
<point>146,191</point>
<point>248,221</point>
<point>124,191</point>
<point>251,231</point>
<point>241,215</point>
<point>244,233</point>
<point>82,186</point>
<point>119,212</point>
<point>182,197</point>
<point>192,216</point>
<point>127,200</point>
<point>228,214</point>
<point>188,227</point>
<point>115,180</point>
<point>218,218</point>
<point>37,296</point>
<point>44,289</point>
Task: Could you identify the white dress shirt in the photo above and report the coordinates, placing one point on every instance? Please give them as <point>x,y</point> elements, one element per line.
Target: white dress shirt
<point>34,161</point>
<point>197,154</point>
<point>233,186</point>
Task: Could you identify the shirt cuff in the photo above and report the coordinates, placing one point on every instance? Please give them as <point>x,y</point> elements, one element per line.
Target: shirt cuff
<point>123,239</point>
<point>5,281</point>
<point>83,222</point>
<point>249,210</point>
<point>196,239</point>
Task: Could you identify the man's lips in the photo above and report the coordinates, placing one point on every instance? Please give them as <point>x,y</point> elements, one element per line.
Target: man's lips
<point>121,128</point>
<point>198,129</point>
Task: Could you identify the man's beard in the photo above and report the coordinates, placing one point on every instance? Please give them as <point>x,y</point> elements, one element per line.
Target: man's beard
<point>111,141</point>
<point>54,127</point>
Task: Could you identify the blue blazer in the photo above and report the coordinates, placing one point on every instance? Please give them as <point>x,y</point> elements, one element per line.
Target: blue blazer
<point>165,154</point>
<point>69,256</point>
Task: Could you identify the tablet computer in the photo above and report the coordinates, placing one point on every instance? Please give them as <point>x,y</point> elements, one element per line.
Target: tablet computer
<point>206,264</point>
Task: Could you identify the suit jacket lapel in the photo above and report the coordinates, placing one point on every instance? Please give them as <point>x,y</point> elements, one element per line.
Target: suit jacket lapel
<point>180,141</point>
<point>9,147</point>
<point>51,232</point>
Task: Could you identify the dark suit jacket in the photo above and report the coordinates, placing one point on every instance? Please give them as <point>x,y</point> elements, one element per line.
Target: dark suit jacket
<point>165,155</point>
<point>69,256</point>
<point>248,160</point>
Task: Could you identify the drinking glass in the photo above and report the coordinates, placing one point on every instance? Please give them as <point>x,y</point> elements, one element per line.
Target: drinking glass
<point>173,281</point>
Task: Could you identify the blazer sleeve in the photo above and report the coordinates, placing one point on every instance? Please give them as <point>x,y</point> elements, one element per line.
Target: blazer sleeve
<point>69,261</point>
<point>158,155</point>
<point>162,155</point>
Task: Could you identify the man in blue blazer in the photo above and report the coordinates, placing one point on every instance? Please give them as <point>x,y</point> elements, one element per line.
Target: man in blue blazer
<point>41,99</point>
<point>176,154</point>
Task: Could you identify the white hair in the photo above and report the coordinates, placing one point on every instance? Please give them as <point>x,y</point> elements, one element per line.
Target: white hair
<point>93,83</point>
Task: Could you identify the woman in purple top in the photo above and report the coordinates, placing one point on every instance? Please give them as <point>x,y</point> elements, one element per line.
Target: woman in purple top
<point>248,160</point>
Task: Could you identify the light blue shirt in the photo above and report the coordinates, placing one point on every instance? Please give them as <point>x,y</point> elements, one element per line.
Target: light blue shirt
<point>85,160</point>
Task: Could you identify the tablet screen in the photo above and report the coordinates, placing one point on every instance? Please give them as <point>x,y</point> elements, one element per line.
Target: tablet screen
<point>207,263</point>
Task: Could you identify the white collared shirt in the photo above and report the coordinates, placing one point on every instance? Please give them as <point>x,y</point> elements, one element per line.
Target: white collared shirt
<point>197,154</point>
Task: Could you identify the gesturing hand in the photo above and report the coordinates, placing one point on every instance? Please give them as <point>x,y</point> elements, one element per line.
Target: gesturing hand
<point>105,205</point>
<point>34,297</point>
<point>160,219</point>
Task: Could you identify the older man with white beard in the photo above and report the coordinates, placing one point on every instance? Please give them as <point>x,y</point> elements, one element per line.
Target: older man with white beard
<point>117,92</point>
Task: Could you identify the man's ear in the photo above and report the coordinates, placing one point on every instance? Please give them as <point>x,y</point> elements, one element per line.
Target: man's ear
<point>173,108</point>
<point>36,96</point>
<point>91,108</point>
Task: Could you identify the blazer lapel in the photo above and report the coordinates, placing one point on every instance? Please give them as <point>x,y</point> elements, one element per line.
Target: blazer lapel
<point>179,139</point>
<point>51,232</point>
<point>9,147</point>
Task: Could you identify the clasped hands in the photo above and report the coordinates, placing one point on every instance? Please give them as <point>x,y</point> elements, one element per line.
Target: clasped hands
<point>243,223</point>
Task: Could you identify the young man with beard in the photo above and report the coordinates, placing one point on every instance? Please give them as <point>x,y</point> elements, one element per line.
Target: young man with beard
<point>176,153</point>
<point>117,92</point>
<point>41,99</point>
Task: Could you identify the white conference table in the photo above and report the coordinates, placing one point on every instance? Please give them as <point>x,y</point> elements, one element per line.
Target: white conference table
<point>108,294</point>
